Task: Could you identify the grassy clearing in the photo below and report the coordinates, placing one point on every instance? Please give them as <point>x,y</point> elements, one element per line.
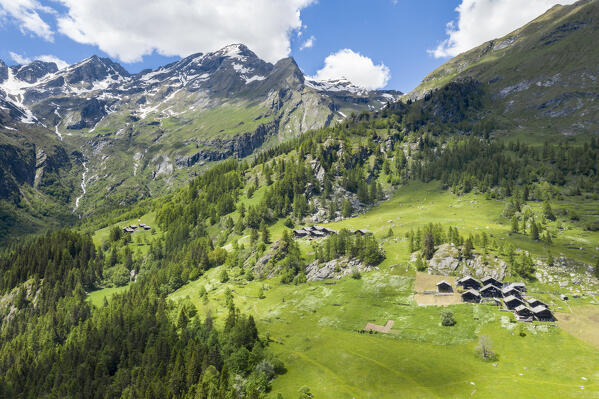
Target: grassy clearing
<point>96,298</point>
<point>582,322</point>
<point>313,328</point>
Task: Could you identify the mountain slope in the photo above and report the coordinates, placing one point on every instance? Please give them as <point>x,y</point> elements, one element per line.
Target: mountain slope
<point>544,75</point>
<point>138,135</point>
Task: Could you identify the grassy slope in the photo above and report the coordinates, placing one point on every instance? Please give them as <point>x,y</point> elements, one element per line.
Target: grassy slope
<point>551,57</point>
<point>313,326</point>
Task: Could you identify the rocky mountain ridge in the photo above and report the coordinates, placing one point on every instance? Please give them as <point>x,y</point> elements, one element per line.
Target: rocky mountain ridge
<point>142,134</point>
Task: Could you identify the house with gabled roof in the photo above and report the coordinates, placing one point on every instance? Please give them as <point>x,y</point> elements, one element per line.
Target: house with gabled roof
<point>490,291</point>
<point>523,311</point>
<point>469,282</point>
<point>541,313</point>
<point>444,287</point>
<point>534,302</point>
<point>471,296</point>
<point>510,291</point>
<point>491,281</point>
<point>512,302</point>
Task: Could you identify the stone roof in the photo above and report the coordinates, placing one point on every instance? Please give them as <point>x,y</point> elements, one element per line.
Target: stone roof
<point>512,298</point>
<point>539,309</point>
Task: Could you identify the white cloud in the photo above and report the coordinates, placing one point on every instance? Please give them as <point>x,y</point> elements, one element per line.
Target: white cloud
<point>50,58</point>
<point>308,43</point>
<point>483,20</point>
<point>22,60</point>
<point>356,68</point>
<point>25,13</point>
<point>19,59</point>
<point>130,29</point>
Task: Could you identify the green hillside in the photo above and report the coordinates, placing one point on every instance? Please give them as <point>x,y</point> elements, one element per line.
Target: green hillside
<point>541,78</point>
<point>218,260</point>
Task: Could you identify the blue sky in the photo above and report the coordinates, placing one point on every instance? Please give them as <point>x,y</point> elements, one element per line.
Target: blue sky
<point>374,43</point>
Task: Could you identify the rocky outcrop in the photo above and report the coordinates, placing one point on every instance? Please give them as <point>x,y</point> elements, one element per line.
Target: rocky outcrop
<point>447,260</point>
<point>91,113</point>
<point>239,146</point>
<point>335,269</point>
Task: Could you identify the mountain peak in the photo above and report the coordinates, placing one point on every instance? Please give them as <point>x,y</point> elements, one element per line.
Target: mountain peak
<point>234,51</point>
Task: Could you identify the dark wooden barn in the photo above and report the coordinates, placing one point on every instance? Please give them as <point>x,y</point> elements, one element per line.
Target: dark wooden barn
<point>444,287</point>
<point>490,291</point>
<point>511,291</point>
<point>471,296</point>
<point>512,302</point>
<point>541,313</point>
<point>523,311</point>
<point>492,281</point>
<point>469,282</point>
<point>534,302</point>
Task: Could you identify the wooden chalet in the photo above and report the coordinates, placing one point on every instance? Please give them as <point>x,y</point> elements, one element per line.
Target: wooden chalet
<point>444,287</point>
<point>518,286</point>
<point>363,232</point>
<point>541,313</point>
<point>471,296</point>
<point>534,302</point>
<point>133,226</point>
<point>490,291</point>
<point>523,311</point>
<point>512,302</point>
<point>469,282</point>
<point>128,230</point>
<point>491,281</point>
<point>300,233</point>
<point>313,232</point>
<point>146,227</point>
<point>510,291</point>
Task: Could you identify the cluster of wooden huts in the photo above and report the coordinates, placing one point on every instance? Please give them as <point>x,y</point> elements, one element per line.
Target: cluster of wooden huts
<point>320,232</point>
<point>511,294</point>
<point>132,228</point>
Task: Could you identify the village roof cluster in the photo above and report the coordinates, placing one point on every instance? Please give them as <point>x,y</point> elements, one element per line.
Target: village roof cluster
<point>320,232</point>
<point>133,227</point>
<point>512,294</point>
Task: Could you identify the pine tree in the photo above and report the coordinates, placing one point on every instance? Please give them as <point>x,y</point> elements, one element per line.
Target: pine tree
<point>468,247</point>
<point>253,236</point>
<point>264,233</point>
<point>429,246</point>
<point>515,224</point>
<point>346,208</point>
<point>534,230</point>
<point>548,212</point>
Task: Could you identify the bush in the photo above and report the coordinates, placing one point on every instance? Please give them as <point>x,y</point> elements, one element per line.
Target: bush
<point>447,318</point>
<point>355,274</point>
<point>484,349</point>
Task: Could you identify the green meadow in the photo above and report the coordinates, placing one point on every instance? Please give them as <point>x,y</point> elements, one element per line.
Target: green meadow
<point>315,328</point>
